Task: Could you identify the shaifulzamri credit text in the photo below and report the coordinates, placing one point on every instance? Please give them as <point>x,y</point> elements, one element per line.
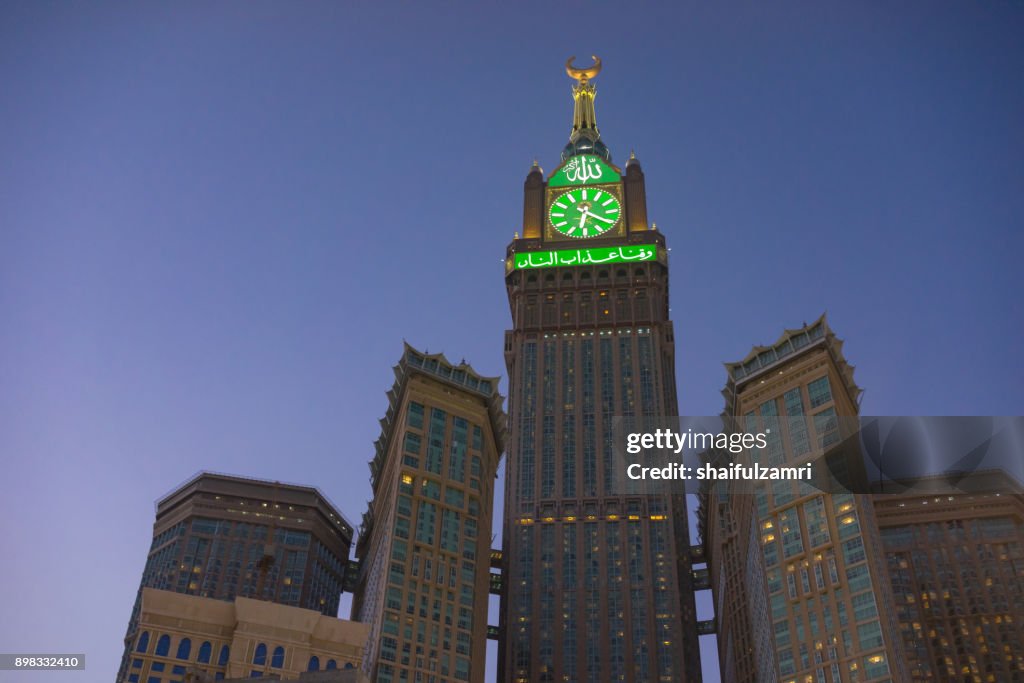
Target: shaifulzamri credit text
<point>734,471</point>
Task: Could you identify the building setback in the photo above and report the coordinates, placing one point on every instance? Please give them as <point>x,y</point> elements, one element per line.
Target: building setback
<point>191,639</point>
<point>597,585</point>
<point>424,545</point>
<point>798,575</point>
<point>225,537</point>
<point>956,565</point>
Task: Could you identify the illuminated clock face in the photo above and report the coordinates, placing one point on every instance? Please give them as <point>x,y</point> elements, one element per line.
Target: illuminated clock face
<point>585,212</point>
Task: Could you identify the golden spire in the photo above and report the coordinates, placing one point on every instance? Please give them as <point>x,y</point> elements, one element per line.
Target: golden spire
<point>584,137</point>
<point>584,118</point>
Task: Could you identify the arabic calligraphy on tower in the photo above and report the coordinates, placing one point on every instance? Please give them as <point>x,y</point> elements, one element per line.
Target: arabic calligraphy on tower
<point>583,257</point>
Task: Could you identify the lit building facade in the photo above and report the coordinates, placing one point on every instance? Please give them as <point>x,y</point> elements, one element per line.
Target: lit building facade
<point>225,537</point>
<point>597,585</point>
<point>424,546</point>
<point>191,639</point>
<point>956,565</point>
<point>798,575</point>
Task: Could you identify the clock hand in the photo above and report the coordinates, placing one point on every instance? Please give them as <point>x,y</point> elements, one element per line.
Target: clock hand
<point>592,215</point>
<point>583,218</point>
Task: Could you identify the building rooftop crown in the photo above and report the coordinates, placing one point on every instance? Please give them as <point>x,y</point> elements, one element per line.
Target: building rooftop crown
<point>585,137</point>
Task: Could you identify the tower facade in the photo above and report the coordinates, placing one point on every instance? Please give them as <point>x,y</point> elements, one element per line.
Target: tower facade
<point>424,546</point>
<point>798,574</point>
<point>201,640</point>
<point>223,537</point>
<point>597,584</point>
<point>956,565</point>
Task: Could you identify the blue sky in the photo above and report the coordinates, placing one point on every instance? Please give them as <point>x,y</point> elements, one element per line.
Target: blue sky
<point>218,222</point>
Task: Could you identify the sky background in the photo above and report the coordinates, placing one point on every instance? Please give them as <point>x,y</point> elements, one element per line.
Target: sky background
<point>218,222</point>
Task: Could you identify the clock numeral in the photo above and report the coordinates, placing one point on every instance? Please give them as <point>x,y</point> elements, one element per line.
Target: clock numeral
<point>570,198</point>
<point>609,201</point>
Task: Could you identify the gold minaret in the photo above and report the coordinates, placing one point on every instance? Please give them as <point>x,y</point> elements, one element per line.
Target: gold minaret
<point>584,119</point>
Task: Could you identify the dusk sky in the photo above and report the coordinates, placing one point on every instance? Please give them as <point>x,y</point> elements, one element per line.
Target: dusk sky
<point>218,222</point>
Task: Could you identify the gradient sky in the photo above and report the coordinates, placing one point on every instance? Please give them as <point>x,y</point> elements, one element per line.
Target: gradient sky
<point>218,222</point>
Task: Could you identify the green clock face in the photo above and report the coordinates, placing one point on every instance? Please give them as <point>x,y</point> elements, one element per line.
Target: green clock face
<point>584,212</point>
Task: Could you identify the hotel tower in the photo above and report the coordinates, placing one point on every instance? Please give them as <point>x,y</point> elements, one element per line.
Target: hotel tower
<point>798,573</point>
<point>597,585</point>
<point>425,542</point>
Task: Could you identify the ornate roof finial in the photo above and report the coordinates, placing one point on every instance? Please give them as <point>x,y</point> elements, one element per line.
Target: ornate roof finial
<point>583,75</point>
<point>585,138</point>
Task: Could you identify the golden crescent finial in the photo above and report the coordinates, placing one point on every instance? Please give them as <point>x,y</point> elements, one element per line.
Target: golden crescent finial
<point>583,75</point>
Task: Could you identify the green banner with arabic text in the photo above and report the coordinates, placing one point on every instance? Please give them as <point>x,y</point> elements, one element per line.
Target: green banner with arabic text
<point>583,257</point>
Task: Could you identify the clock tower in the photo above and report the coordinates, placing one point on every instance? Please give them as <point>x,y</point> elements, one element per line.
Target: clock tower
<point>597,584</point>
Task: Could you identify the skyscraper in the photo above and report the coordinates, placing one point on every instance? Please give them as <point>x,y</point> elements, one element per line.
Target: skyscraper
<point>798,574</point>
<point>596,584</point>
<point>223,537</point>
<point>424,546</point>
<point>956,565</point>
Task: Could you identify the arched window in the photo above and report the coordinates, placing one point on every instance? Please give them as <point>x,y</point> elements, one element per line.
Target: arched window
<point>143,643</point>
<point>163,646</point>
<point>277,661</point>
<point>184,648</point>
<point>314,664</point>
<point>205,650</point>
<point>331,664</point>
<point>225,652</point>
<point>260,658</point>
<point>348,665</point>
